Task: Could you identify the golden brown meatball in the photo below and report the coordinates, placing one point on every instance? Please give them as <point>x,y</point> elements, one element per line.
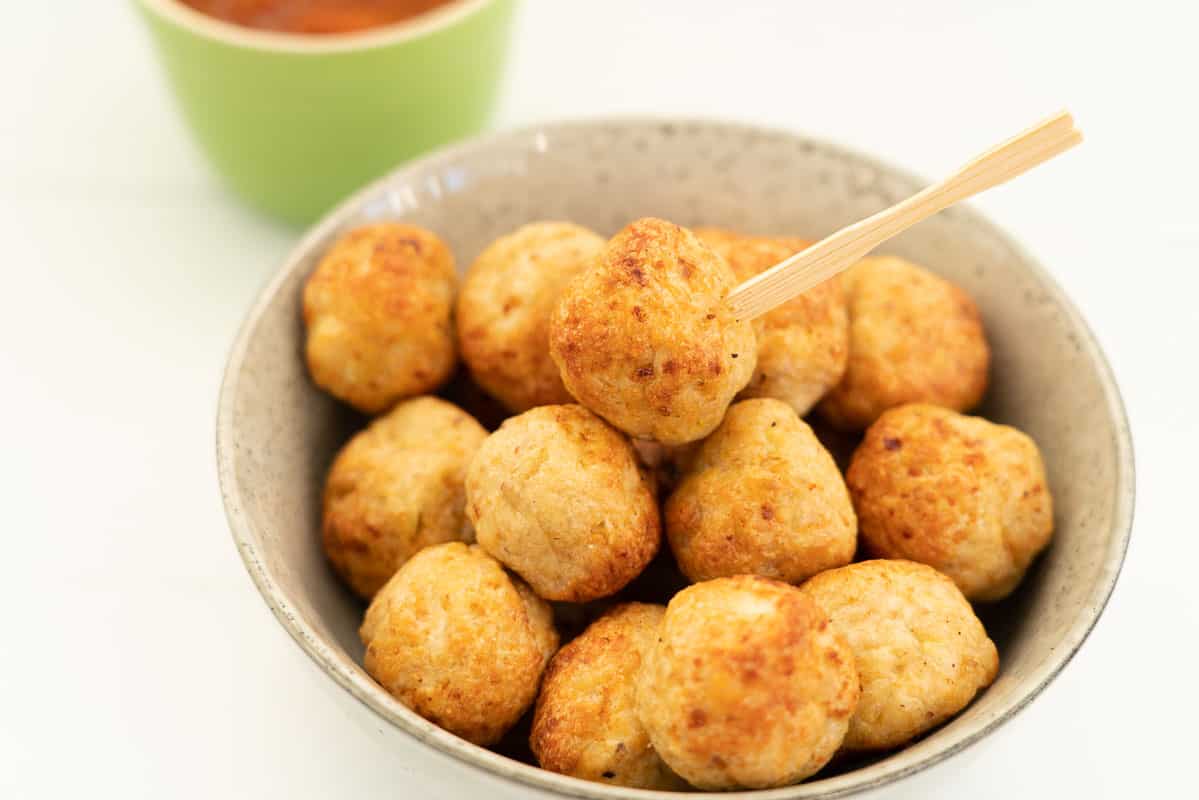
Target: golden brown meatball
<point>459,641</point>
<point>762,497</point>
<point>557,495</point>
<point>504,310</point>
<point>396,487</point>
<point>585,724</point>
<point>645,339</point>
<point>921,652</point>
<point>377,309</point>
<point>747,685</point>
<point>913,338</point>
<point>958,493</point>
<point>803,345</point>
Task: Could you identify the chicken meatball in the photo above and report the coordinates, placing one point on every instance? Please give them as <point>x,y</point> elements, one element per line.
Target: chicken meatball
<point>803,345</point>
<point>585,724</point>
<point>504,310</point>
<point>762,497</point>
<point>645,339</point>
<point>377,309</point>
<point>459,641</point>
<point>396,487</point>
<point>958,493</point>
<point>921,652</point>
<point>913,338</point>
<point>747,685</point>
<point>558,496</point>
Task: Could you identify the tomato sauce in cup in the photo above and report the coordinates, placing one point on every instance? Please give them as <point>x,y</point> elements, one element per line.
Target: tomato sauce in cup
<point>313,16</point>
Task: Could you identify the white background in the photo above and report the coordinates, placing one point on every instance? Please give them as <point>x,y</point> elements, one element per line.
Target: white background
<point>136,659</point>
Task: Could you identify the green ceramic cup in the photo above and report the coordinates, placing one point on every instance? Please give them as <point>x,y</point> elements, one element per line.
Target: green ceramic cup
<point>296,122</point>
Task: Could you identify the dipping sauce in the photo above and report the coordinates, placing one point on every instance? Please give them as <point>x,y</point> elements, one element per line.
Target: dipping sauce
<point>313,16</point>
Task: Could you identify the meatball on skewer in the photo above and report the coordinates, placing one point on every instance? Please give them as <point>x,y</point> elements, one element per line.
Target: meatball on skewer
<point>645,340</point>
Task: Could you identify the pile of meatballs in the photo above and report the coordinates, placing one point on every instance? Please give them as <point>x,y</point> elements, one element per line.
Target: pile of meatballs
<point>798,613</point>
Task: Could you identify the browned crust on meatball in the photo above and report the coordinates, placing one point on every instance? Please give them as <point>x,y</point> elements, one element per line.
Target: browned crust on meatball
<point>377,312</point>
<point>922,654</point>
<point>762,497</point>
<point>747,687</point>
<point>645,339</point>
<point>558,496</point>
<point>585,723</point>
<point>459,641</point>
<point>961,494</point>
<point>803,345</point>
<point>397,487</point>
<point>914,338</point>
<point>504,308</point>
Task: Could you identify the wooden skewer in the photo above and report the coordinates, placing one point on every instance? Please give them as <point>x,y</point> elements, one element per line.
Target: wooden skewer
<point>837,252</point>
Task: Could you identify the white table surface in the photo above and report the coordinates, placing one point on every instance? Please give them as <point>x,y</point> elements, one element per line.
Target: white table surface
<point>136,659</point>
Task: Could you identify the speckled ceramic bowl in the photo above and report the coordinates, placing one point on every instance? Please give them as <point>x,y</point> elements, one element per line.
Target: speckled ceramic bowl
<point>277,432</point>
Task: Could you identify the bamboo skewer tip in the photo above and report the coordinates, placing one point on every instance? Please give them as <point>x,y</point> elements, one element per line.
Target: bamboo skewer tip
<point>837,252</point>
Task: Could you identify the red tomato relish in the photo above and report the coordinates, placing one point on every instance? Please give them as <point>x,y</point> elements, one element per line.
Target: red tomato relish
<point>313,16</point>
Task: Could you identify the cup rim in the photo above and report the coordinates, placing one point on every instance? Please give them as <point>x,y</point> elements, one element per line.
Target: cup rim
<point>234,35</point>
<point>376,699</point>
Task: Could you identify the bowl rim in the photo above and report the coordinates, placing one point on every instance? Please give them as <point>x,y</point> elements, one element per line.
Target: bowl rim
<point>502,767</point>
<point>229,33</point>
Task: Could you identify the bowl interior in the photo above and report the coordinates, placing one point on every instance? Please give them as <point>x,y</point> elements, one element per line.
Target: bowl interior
<point>278,433</point>
<point>290,42</point>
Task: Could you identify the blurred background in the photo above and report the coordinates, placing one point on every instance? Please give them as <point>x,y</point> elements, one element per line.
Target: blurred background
<point>136,654</point>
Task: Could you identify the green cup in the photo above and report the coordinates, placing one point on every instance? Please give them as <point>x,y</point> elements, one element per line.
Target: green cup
<point>296,122</point>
